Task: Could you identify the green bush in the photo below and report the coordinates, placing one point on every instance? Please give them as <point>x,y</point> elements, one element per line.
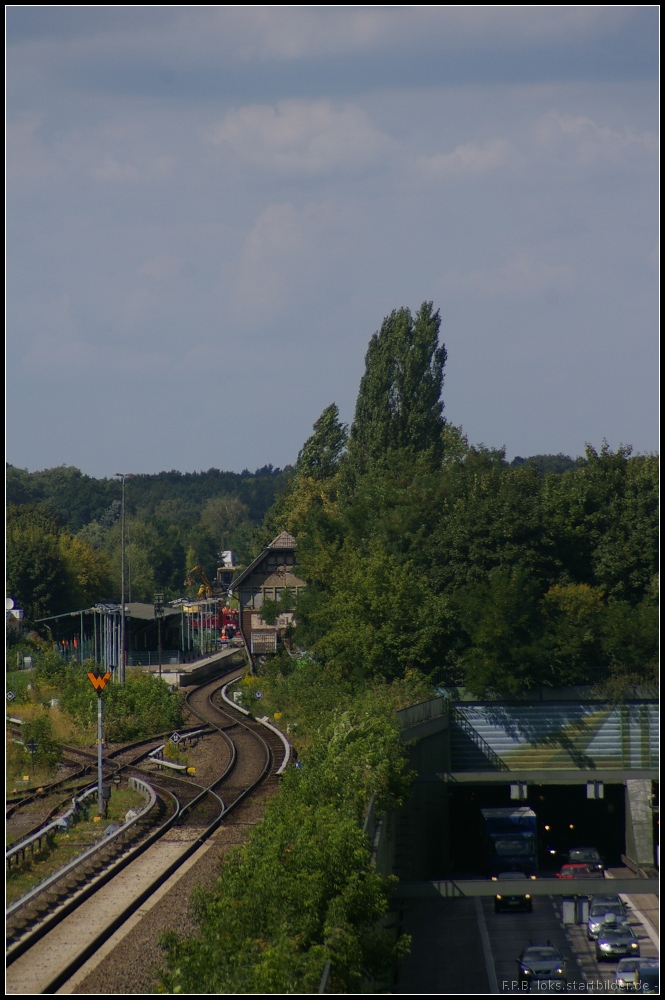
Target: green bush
<point>17,683</point>
<point>48,752</point>
<point>303,890</point>
<point>144,705</point>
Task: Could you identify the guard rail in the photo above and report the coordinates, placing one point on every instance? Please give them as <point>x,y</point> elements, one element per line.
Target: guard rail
<point>137,785</point>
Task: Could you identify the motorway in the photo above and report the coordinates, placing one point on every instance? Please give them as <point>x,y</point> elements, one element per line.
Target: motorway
<point>463,946</point>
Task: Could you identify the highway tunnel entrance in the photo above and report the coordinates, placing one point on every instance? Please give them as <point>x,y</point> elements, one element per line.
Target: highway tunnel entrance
<point>565,818</point>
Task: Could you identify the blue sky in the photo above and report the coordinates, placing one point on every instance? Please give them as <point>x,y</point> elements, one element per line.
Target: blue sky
<point>211,209</point>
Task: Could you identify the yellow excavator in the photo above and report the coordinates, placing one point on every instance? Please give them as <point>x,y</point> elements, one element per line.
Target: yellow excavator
<point>205,589</point>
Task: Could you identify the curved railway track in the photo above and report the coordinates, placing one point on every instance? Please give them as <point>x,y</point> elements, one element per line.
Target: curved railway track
<point>48,950</point>
<point>39,807</point>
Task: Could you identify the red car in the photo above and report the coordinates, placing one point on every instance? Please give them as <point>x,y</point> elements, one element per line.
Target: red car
<point>579,870</point>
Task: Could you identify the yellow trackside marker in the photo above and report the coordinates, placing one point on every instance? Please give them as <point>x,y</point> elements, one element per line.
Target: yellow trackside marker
<point>99,683</point>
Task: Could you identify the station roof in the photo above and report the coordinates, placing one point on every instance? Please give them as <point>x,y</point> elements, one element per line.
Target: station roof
<point>147,611</point>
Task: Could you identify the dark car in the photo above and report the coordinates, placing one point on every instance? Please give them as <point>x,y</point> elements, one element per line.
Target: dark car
<point>586,855</point>
<point>649,976</point>
<point>540,961</point>
<point>580,869</point>
<point>508,899</point>
<point>618,943</point>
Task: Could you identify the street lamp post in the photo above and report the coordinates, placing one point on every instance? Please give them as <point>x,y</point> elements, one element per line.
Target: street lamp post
<point>159,614</point>
<point>123,476</point>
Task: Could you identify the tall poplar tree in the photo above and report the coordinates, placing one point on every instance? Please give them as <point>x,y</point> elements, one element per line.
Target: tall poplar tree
<point>320,453</point>
<point>399,401</point>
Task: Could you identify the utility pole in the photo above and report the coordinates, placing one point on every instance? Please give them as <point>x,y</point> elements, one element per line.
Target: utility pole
<point>159,614</point>
<point>123,476</point>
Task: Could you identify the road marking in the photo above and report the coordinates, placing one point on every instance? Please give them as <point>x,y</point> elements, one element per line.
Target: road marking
<point>487,951</point>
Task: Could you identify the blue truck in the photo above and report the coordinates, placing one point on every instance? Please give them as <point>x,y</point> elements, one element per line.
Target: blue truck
<point>509,840</point>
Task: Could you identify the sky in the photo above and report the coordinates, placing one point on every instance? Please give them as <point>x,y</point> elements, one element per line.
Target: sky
<point>210,210</point>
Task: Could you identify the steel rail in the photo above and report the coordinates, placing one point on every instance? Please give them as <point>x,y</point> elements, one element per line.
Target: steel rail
<point>109,757</point>
<point>47,923</point>
<point>223,811</point>
<point>103,843</point>
<point>131,908</point>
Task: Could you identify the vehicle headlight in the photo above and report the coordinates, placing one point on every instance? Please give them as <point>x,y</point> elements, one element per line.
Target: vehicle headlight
<point>528,896</point>
<point>605,947</point>
<point>499,897</point>
<point>633,944</point>
<point>558,969</point>
<point>594,927</point>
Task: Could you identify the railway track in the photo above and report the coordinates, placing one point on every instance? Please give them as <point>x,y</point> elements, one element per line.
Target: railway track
<point>50,949</point>
<point>29,813</point>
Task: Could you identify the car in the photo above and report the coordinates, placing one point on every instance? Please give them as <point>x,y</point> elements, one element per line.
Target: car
<point>508,900</point>
<point>579,870</point>
<point>605,916</point>
<point>588,855</point>
<point>541,961</point>
<point>600,898</point>
<point>620,942</point>
<point>626,975</point>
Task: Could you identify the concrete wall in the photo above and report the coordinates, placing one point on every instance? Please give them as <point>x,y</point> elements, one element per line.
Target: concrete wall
<point>639,822</point>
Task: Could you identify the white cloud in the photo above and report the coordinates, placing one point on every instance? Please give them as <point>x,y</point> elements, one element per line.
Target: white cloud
<point>520,277</point>
<point>470,158</point>
<point>303,137</point>
<point>589,139</point>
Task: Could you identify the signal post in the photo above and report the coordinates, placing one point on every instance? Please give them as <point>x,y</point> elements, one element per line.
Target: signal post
<point>99,682</point>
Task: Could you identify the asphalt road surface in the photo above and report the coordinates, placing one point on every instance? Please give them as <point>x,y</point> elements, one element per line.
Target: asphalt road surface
<point>462,946</point>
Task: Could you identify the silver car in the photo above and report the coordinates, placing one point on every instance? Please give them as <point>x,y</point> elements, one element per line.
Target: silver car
<point>605,916</point>
<point>626,975</point>
<point>637,975</point>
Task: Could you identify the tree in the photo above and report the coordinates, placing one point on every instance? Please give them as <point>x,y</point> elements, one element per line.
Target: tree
<point>222,515</point>
<point>48,570</point>
<point>399,405</point>
<point>319,456</point>
<point>36,575</point>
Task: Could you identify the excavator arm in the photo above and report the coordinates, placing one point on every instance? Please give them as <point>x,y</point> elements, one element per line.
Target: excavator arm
<point>205,589</point>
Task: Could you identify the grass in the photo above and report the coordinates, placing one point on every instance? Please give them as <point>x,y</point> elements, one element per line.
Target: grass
<point>64,847</point>
<point>64,729</point>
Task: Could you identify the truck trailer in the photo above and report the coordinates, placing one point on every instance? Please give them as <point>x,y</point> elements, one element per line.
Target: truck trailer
<point>509,840</point>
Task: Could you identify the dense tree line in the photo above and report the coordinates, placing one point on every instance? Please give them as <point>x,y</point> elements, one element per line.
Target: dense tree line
<point>420,550</point>
<point>75,499</point>
<point>64,532</point>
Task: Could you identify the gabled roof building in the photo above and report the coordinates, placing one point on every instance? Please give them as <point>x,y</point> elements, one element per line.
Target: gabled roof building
<point>271,573</point>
